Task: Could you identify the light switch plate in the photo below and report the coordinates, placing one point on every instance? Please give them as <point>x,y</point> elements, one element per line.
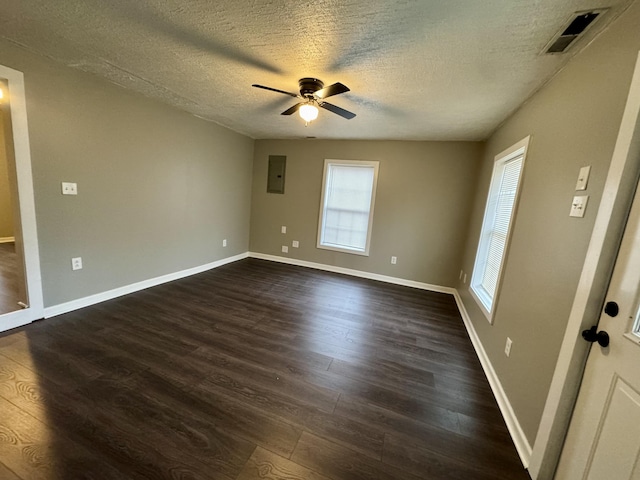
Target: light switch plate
<point>578,206</point>
<point>283,229</point>
<point>583,178</point>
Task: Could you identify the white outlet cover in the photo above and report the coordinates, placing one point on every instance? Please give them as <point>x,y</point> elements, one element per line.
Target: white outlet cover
<point>224,242</point>
<point>76,263</point>
<point>283,229</point>
<point>394,260</point>
<point>507,347</point>
<point>295,244</point>
<point>579,206</point>
<point>69,188</point>
<point>285,249</point>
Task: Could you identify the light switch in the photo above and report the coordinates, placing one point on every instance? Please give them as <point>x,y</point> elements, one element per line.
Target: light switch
<point>578,206</point>
<point>583,178</point>
<point>283,229</point>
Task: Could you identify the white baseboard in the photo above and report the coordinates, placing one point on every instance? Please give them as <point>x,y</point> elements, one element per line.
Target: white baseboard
<point>135,287</point>
<point>7,239</point>
<point>517,434</point>
<point>354,273</point>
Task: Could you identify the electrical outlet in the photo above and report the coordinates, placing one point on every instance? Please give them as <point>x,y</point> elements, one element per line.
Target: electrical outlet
<point>283,229</point>
<point>285,249</point>
<point>464,279</point>
<point>69,188</point>
<point>578,206</point>
<point>507,347</point>
<point>394,260</point>
<point>224,242</point>
<point>295,244</point>
<point>76,263</point>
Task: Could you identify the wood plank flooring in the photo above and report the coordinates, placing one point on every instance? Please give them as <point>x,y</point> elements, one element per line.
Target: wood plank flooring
<point>254,370</point>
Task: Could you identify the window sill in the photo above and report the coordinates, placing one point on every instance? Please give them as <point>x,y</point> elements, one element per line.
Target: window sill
<point>488,315</point>
<point>343,250</point>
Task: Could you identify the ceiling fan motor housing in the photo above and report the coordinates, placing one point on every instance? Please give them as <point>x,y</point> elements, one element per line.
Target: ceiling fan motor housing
<point>309,86</point>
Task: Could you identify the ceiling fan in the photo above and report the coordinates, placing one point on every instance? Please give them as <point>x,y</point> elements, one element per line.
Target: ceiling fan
<point>313,92</point>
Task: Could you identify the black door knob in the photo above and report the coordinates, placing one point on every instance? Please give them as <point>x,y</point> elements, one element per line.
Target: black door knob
<point>611,309</point>
<point>592,335</point>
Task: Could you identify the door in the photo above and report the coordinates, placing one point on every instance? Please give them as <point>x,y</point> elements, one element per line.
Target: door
<point>603,441</point>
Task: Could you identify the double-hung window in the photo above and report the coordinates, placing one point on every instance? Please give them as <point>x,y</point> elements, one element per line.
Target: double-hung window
<point>496,227</point>
<point>346,208</point>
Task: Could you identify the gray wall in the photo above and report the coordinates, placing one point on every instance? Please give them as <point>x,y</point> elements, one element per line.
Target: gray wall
<point>421,212</point>
<point>158,188</point>
<point>573,122</point>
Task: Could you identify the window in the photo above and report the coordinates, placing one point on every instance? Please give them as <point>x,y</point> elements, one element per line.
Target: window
<point>346,208</point>
<point>498,215</point>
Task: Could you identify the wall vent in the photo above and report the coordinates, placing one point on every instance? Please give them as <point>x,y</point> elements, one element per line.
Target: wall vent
<point>574,28</point>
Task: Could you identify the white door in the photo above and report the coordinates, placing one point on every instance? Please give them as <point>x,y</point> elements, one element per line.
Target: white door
<point>603,442</point>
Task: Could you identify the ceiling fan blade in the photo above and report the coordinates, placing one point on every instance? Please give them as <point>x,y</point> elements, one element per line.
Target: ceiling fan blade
<point>331,90</point>
<point>295,95</point>
<point>293,109</point>
<point>340,111</point>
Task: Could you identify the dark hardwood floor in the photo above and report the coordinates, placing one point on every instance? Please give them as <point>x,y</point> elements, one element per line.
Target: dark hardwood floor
<point>253,370</point>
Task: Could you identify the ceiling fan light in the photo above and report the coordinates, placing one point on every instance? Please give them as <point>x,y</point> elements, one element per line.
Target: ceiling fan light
<point>308,112</point>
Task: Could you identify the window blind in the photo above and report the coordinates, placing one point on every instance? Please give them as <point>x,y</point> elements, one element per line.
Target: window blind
<point>497,233</point>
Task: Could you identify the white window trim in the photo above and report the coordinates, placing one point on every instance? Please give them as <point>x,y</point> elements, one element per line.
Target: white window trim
<point>362,163</point>
<point>516,150</point>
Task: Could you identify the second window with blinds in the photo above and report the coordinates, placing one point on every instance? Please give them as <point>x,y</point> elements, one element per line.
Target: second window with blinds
<point>346,208</point>
<point>496,227</point>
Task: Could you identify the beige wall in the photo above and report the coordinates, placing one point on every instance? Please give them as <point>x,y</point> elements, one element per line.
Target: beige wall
<point>573,122</point>
<point>6,212</point>
<point>158,188</point>
<point>421,211</point>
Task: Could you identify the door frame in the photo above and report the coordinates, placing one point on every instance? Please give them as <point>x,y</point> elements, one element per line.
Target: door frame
<point>29,231</point>
<point>613,211</point>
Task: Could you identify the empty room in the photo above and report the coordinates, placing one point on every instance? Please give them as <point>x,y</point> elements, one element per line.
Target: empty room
<point>332,240</point>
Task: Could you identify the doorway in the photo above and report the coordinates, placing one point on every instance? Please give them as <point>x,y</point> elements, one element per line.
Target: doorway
<point>20,281</point>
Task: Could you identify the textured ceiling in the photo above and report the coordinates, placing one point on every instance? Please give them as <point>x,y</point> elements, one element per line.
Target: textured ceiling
<point>417,69</point>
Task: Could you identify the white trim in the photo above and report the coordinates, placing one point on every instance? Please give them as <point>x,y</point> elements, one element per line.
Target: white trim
<point>7,239</point>
<point>354,273</point>
<point>135,287</point>
<point>515,429</point>
<point>14,323</point>
<point>570,365</point>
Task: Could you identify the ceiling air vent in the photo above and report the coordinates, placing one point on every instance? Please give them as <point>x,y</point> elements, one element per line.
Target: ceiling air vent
<point>574,28</point>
